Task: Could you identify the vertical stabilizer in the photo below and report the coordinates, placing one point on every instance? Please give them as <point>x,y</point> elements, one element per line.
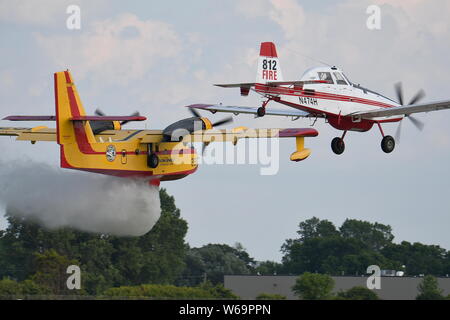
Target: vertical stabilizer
<point>268,64</point>
<point>68,105</point>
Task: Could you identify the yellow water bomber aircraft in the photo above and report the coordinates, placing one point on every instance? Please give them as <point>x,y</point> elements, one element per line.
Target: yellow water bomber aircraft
<point>99,144</point>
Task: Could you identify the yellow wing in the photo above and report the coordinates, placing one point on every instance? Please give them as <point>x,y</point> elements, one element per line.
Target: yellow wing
<point>233,135</point>
<point>41,133</point>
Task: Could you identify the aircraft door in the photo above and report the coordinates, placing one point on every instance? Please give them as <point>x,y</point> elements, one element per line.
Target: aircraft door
<point>123,158</point>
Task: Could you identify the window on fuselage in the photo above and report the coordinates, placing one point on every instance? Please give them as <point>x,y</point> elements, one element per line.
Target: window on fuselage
<point>339,78</point>
<point>325,76</point>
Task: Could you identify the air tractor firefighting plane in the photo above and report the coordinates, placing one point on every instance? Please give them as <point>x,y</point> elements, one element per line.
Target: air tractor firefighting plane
<point>325,92</point>
<point>99,144</point>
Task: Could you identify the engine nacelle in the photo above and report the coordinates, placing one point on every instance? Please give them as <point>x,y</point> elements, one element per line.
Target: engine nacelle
<point>100,126</point>
<point>176,131</point>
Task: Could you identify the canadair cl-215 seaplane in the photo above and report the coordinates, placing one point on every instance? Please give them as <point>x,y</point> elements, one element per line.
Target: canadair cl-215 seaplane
<point>99,144</point>
<point>325,92</point>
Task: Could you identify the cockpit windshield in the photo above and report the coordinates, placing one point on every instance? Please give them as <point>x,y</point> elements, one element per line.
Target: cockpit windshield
<point>340,78</point>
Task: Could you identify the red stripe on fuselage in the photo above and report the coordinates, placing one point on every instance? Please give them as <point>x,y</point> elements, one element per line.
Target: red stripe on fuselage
<point>261,88</point>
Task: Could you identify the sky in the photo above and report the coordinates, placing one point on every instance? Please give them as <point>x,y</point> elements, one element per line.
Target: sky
<point>157,57</point>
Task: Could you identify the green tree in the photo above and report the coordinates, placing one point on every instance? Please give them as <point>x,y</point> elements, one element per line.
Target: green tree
<point>51,272</point>
<point>268,268</point>
<point>313,286</point>
<point>218,291</point>
<point>270,296</point>
<point>158,291</point>
<point>213,261</point>
<point>358,293</point>
<point>418,258</point>
<point>316,228</point>
<point>374,235</point>
<point>9,288</point>
<point>321,248</point>
<point>429,289</point>
<point>13,289</point>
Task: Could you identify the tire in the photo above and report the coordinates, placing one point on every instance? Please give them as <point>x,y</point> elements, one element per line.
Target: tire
<point>261,112</point>
<point>337,145</point>
<point>388,144</point>
<point>153,160</point>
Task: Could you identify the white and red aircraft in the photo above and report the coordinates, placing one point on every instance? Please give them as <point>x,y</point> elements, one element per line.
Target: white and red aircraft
<point>325,92</point>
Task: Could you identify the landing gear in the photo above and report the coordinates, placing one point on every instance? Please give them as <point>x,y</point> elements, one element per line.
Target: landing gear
<point>388,144</point>
<point>261,111</point>
<point>153,160</point>
<point>338,145</point>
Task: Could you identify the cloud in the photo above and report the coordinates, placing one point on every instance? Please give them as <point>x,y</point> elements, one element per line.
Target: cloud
<point>43,12</point>
<point>412,42</point>
<point>289,15</point>
<point>116,50</point>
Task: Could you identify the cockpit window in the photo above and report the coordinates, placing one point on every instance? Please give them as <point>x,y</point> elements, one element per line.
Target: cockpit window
<point>339,78</point>
<point>325,76</point>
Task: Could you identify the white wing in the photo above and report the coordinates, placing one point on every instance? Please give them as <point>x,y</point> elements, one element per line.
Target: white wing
<point>405,110</point>
<point>249,110</point>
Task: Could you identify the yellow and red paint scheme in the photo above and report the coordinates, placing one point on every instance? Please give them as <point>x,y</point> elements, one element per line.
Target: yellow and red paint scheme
<point>126,153</point>
<point>81,150</point>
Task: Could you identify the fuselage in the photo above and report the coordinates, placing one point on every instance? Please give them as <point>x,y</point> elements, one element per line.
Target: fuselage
<point>337,99</point>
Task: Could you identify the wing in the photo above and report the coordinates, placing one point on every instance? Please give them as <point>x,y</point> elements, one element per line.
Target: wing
<point>144,136</point>
<point>79,118</point>
<point>233,135</point>
<point>405,110</point>
<point>49,134</point>
<point>249,110</point>
<point>214,135</point>
<point>30,134</point>
<point>270,83</point>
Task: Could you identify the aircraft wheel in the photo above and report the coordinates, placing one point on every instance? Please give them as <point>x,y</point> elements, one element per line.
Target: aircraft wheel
<point>338,145</point>
<point>153,160</point>
<point>388,144</point>
<point>261,112</point>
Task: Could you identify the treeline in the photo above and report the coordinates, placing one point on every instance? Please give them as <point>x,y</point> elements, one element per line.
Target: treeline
<point>321,247</point>
<point>33,260</point>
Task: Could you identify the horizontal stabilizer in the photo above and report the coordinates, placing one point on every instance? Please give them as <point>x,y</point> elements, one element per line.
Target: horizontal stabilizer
<point>108,118</point>
<point>237,85</point>
<point>30,118</point>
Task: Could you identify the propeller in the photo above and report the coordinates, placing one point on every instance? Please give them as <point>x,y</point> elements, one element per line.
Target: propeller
<point>416,122</point>
<point>102,114</point>
<point>194,113</point>
<point>215,124</point>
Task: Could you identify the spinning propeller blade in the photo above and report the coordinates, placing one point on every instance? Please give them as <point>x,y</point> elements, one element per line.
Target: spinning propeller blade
<point>215,124</point>
<point>102,114</point>
<point>416,122</point>
<point>223,121</point>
